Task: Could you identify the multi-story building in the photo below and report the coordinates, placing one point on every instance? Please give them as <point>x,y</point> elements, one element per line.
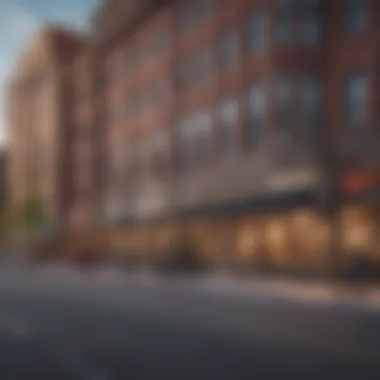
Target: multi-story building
<point>238,116</point>
<point>37,121</point>
<point>252,94</point>
<point>3,178</point>
<point>81,139</point>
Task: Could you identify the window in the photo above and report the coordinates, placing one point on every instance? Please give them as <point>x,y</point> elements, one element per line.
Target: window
<point>183,75</point>
<point>356,15</point>
<point>202,126</point>
<point>204,8</point>
<point>228,50</point>
<point>194,136</point>
<point>228,120</point>
<point>203,64</point>
<point>310,107</point>
<point>257,112</point>
<point>183,143</point>
<point>160,91</point>
<point>310,21</point>
<point>185,16</point>
<point>159,153</point>
<point>161,40</point>
<point>284,22</point>
<point>256,33</point>
<point>284,103</point>
<point>357,100</point>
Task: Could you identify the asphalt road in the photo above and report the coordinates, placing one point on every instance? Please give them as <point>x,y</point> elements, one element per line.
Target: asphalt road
<point>72,326</point>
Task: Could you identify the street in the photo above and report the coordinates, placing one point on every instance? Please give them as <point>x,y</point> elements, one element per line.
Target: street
<point>63,324</point>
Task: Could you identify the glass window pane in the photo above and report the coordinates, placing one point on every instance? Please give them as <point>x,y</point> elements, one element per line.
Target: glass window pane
<point>256,32</point>
<point>283,102</point>
<point>356,15</point>
<point>310,21</point>
<point>357,100</point>
<point>284,21</point>
<point>310,106</point>
<point>228,50</point>
<point>228,120</point>
<point>257,112</point>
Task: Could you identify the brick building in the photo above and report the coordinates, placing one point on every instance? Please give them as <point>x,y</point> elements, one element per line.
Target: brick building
<point>245,88</point>
<point>81,139</point>
<point>37,121</point>
<point>3,177</point>
<point>264,103</point>
<point>210,110</point>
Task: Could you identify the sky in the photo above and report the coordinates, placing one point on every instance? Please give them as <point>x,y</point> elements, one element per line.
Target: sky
<point>19,20</point>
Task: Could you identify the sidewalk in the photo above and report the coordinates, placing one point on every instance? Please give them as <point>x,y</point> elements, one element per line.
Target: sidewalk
<point>314,292</point>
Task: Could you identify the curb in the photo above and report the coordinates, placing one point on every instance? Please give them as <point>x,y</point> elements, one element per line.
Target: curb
<point>300,292</point>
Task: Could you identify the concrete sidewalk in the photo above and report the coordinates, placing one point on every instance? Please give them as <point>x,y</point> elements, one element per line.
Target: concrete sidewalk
<point>307,291</point>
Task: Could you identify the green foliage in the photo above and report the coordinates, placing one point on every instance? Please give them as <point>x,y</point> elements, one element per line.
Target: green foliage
<point>27,217</point>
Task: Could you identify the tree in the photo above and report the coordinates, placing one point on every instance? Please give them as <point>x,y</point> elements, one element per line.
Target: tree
<point>28,217</point>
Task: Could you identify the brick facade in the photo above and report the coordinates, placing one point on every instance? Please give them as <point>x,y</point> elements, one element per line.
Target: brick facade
<point>182,105</point>
<point>327,53</point>
<point>37,118</point>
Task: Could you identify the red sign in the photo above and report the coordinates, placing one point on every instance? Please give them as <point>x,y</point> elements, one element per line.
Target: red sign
<point>356,183</point>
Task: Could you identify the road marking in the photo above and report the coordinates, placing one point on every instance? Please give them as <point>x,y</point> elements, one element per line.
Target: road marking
<point>14,325</point>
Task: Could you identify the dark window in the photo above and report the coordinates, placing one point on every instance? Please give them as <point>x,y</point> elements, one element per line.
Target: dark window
<point>310,107</point>
<point>194,139</point>
<point>228,50</point>
<point>185,16</point>
<point>257,33</point>
<point>284,25</point>
<point>161,40</point>
<point>228,122</point>
<point>357,100</point>
<point>204,8</point>
<point>310,21</point>
<point>356,15</point>
<point>284,103</point>
<point>183,75</point>
<point>160,91</point>
<point>256,112</point>
<point>203,64</point>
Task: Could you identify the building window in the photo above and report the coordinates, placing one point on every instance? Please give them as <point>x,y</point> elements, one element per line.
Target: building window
<point>284,22</point>
<point>256,113</point>
<point>195,138</point>
<point>228,123</point>
<point>310,21</point>
<point>310,107</point>
<point>357,100</point>
<point>228,50</point>
<point>183,75</point>
<point>185,16</point>
<point>161,40</point>
<point>159,160</point>
<point>202,124</point>
<point>203,64</point>
<point>183,145</point>
<point>160,91</point>
<point>204,8</point>
<point>284,103</point>
<point>356,15</point>
<point>256,33</point>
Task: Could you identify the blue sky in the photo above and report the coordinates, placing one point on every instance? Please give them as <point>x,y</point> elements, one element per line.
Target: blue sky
<point>19,19</point>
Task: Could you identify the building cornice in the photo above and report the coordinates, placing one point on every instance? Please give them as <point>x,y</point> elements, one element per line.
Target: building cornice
<point>117,20</point>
